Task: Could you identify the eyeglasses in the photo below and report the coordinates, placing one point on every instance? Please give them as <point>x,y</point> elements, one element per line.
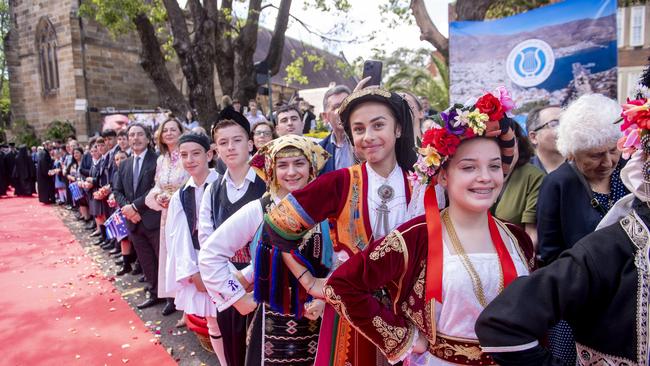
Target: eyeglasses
<point>262,133</point>
<point>552,124</point>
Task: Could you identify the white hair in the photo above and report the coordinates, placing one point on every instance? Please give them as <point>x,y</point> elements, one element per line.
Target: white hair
<point>588,123</point>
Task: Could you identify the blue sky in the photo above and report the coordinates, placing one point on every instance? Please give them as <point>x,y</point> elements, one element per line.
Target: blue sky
<point>559,13</point>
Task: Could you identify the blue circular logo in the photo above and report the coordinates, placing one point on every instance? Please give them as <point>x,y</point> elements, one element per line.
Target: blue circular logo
<point>530,62</point>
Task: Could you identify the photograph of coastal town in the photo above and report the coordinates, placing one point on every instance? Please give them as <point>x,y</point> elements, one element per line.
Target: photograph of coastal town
<point>547,55</point>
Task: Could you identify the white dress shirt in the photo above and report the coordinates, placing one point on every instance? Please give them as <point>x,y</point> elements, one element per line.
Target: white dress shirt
<point>182,258</point>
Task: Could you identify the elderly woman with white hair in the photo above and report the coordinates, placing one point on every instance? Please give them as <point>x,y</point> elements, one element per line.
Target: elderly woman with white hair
<point>575,197</point>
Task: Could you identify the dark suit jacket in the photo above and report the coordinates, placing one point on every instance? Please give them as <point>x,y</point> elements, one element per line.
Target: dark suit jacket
<point>124,195</point>
<point>564,212</point>
<point>329,146</point>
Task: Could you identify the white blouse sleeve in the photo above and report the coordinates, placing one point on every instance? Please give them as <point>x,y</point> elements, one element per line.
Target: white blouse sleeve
<point>182,261</point>
<point>205,214</point>
<point>220,246</point>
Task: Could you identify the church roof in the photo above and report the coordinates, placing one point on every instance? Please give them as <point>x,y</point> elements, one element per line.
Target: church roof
<point>317,79</point>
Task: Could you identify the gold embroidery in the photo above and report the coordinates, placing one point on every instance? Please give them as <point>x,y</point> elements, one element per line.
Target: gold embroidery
<point>419,284</point>
<point>444,349</point>
<point>393,336</point>
<point>589,356</point>
<point>415,316</point>
<point>392,242</point>
<point>335,301</point>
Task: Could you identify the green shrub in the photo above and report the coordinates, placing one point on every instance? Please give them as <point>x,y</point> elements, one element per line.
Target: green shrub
<point>24,133</point>
<point>59,131</point>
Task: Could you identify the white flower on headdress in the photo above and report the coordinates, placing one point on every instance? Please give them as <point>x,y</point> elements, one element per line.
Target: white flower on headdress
<point>462,118</point>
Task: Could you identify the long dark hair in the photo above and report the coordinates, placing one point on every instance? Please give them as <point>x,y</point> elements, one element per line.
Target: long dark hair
<point>524,146</point>
<point>404,145</point>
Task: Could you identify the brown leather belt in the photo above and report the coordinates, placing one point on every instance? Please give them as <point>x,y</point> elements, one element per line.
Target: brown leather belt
<point>459,351</point>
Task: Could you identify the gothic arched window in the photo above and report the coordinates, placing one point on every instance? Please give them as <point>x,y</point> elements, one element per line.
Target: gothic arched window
<point>47,60</point>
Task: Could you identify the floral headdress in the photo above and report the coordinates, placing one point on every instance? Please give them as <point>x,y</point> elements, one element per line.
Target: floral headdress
<point>635,127</point>
<point>487,117</point>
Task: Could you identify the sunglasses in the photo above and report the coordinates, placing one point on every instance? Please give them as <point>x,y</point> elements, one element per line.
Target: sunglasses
<point>552,124</point>
<point>262,133</point>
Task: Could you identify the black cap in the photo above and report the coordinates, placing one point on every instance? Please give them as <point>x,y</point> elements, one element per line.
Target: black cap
<point>231,114</point>
<point>198,138</point>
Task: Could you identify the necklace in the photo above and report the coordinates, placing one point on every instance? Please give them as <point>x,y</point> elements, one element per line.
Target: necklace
<point>385,193</point>
<point>458,247</point>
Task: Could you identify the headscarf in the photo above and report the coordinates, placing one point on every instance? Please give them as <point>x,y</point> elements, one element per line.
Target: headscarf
<point>263,162</point>
<point>405,155</point>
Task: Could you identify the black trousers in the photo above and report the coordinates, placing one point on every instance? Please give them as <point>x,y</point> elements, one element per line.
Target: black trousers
<point>233,330</point>
<point>147,246</point>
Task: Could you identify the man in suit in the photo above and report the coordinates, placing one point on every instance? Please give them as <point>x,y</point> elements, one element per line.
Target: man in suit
<point>136,177</point>
<point>336,143</point>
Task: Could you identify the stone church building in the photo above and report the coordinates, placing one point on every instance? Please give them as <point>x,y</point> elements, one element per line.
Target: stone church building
<point>64,67</point>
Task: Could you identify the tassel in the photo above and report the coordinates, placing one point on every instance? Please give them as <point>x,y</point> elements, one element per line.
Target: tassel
<point>261,273</point>
<point>277,277</point>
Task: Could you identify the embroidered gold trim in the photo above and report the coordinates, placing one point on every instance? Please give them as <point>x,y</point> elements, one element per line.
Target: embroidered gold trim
<point>335,301</point>
<point>419,283</point>
<point>529,263</point>
<point>393,336</point>
<point>392,242</point>
<point>459,351</point>
<point>589,356</point>
<point>638,234</point>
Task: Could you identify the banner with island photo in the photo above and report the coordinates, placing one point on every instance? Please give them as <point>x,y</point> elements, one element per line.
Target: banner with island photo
<point>549,55</point>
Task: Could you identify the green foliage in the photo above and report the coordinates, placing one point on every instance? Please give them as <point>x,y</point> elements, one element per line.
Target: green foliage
<point>318,135</point>
<point>24,133</point>
<point>506,8</point>
<point>118,15</point>
<point>296,67</point>
<point>327,6</point>
<point>419,81</point>
<point>59,131</point>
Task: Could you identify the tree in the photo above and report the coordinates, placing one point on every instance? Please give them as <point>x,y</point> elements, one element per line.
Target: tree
<point>461,10</point>
<point>5,102</point>
<point>202,37</point>
<point>418,80</point>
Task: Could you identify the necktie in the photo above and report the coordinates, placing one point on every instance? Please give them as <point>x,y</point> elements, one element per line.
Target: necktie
<point>136,173</point>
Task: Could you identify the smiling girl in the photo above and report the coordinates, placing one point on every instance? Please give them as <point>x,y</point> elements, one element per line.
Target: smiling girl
<point>442,268</point>
<point>286,164</point>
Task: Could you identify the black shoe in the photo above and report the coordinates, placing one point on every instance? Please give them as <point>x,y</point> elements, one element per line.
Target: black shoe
<point>126,268</point>
<point>148,302</point>
<point>107,245</point>
<point>96,233</point>
<point>115,250</point>
<point>169,308</point>
<point>119,262</point>
<point>142,279</point>
<point>117,255</point>
<point>136,269</point>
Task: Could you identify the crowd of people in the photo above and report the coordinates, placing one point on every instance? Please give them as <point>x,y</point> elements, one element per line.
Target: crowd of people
<point>405,235</point>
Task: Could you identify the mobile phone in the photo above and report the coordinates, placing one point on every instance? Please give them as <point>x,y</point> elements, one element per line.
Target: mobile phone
<point>372,68</point>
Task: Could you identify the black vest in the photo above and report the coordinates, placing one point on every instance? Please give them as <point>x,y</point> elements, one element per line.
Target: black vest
<point>189,207</point>
<point>222,208</point>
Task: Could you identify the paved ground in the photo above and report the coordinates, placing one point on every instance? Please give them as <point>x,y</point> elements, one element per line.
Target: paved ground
<point>179,342</point>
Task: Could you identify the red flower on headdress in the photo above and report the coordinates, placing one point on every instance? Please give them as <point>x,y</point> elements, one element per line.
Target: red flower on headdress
<point>490,105</point>
<point>636,112</point>
<point>444,142</point>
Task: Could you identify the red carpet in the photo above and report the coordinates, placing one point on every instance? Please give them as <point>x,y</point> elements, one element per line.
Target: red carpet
<point>56,307</point>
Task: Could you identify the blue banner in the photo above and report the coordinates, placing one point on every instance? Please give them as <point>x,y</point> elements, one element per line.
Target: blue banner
<point>549,55</point>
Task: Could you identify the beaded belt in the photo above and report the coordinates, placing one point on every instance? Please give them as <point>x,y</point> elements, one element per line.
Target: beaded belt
<point>460,351</point>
